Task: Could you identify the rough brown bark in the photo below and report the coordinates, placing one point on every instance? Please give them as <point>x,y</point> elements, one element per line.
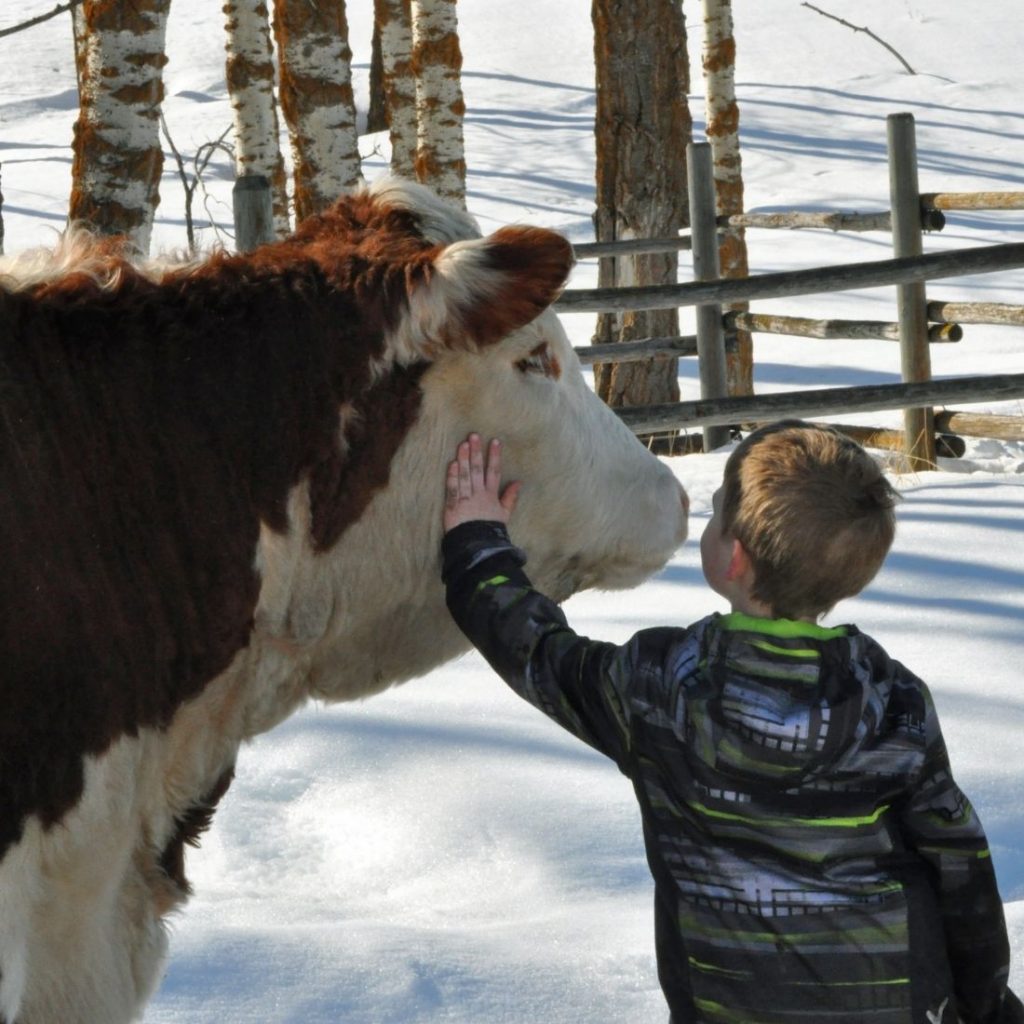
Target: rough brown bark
<point>377,108</point>
<point>642,128</point>
<point>117,157</point>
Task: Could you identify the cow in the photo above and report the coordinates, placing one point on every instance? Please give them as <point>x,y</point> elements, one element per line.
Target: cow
<point>221,487</point>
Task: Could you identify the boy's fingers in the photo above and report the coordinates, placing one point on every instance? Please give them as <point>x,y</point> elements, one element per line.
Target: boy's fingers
<point>465,482</point>
<point>510,496</point>
<point>451,484</point>
<point>476,462</point>
<point>493,479</point>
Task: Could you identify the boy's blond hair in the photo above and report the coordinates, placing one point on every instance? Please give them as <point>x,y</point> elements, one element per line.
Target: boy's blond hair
<point>813,511</point>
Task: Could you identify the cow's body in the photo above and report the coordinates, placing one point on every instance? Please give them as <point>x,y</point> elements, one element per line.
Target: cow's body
<point>220,495</point>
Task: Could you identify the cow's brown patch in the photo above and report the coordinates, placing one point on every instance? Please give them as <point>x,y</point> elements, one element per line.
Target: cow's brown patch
<point>524,296</point>
<point>146,430</point>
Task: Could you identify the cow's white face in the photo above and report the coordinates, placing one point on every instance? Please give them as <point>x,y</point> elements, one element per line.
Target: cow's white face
<point>596,508</point>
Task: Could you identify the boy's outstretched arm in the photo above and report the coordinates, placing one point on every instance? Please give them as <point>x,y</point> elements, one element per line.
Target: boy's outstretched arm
<point>524,636</point>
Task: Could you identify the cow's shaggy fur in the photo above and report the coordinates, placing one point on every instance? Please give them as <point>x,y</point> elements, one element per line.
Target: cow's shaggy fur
<point>200,528</point>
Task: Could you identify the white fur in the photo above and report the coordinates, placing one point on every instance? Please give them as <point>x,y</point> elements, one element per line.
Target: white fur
<point>82,904</point>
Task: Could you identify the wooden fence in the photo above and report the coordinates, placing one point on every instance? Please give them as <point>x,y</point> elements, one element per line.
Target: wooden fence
<point>919,322</point>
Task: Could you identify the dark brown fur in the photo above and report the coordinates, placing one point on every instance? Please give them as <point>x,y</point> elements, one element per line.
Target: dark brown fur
<point>145,433</point>
<point>148,429</point>
<point>190,828</point>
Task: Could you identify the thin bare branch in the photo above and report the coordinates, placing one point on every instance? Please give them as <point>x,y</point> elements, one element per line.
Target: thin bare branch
<point>39,19</point>
<point>202,158</point>
<point>857,28</point>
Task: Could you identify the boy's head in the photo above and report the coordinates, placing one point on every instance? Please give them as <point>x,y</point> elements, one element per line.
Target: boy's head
<point>812,512</point>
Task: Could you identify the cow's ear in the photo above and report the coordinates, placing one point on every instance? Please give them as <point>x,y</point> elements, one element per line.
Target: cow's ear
<point>479,291</point>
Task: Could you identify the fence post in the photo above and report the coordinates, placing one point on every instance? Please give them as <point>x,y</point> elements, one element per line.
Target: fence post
<point>710,331</point>
<point>254,213</point>
<point>911,302</point>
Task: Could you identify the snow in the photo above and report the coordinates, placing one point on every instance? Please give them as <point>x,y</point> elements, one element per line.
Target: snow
<point>442,852</point>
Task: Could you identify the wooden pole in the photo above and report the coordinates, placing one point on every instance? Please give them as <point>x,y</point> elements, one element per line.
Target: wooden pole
<point>975,313</point>
<point>630,246</point>
<point>637,351</point>
<point>911,303</point>
<point>830,220</point>
<point>968,424</point>
<point>254,213</point>
<point>821,402</point>
<point>946,445</point>
<point>710,333</point>
<point>802,327</point>
<point>973,200</point>
<point>982,259</point>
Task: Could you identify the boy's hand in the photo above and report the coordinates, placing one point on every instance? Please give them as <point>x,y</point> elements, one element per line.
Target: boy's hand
<point>473,485</point>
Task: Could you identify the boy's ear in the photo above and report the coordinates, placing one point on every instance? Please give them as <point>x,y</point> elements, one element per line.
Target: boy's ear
<point>739,563</point>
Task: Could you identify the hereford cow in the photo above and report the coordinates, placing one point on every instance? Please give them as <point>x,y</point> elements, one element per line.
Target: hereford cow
<point>220,496</point>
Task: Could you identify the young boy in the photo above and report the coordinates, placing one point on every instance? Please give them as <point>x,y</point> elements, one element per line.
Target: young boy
<point>813,859</point>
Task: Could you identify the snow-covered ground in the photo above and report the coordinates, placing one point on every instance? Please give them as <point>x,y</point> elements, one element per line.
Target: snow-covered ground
<point>441,852</point>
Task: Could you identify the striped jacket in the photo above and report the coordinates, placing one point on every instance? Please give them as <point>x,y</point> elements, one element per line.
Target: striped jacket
<point>813,859</point>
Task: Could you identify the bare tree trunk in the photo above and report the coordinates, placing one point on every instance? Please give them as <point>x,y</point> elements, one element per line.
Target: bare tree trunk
<point>250,79</point>
<point>317,101</point>
<point>723,122</point>
<point>437,64</point>
<point>394,20</point>
<point>642,128</point>
<point>78,34</point>
<point>377,107</point>
<point>117,161</point>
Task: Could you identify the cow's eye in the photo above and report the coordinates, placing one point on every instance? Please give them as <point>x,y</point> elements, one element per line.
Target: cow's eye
<point>541,361</point>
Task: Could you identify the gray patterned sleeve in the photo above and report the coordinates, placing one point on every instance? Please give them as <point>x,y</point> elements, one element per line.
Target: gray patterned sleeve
<point>524,636</point>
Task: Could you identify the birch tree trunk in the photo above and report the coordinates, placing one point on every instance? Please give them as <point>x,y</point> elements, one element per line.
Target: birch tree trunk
<point>250,79</point>
<point>78,34</point>
<point>317,101</point>
<point>117,158</point>
<point>440,109</point>
<point>723,122</point>
<point>642,127</point>
<point>394,21</point>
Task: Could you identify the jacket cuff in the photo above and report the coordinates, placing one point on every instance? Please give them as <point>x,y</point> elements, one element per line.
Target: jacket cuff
<point>469,544</point>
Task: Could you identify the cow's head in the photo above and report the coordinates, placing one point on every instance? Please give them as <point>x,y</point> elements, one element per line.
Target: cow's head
<point>596,508</point>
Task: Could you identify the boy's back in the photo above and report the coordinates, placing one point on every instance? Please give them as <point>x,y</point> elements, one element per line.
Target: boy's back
<point>813,858</point>
<point>797,805</point>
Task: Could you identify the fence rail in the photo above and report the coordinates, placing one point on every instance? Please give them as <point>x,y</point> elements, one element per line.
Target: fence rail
<point>637,351</point>
<point>651,419</point>
<point>802,327</point>
<point>975,313</point>
<point>919,322</point>
<point>842,277</point>
<point>973,200</point>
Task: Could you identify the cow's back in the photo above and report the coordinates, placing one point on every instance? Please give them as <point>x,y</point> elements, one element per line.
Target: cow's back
<point>146,435</point>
